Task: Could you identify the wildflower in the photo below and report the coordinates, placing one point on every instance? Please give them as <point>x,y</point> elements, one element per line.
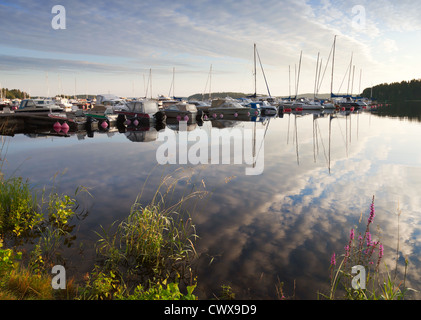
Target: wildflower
<point>333,260</point>
<point>368,237</point>
<point>372,214</point>
<point>380,255</point>
<point>351,235</point>
<point>380,251</point>
<point>360,240</point>
<point>347,254</point>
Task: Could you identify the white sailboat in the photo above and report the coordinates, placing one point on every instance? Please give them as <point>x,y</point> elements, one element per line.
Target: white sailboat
<point>264,107</point>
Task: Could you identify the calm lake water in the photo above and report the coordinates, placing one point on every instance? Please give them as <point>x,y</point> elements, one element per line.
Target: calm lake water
<point>255,231</point>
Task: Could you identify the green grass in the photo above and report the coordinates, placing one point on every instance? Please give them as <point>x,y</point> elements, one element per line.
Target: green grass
<point>155,243</point>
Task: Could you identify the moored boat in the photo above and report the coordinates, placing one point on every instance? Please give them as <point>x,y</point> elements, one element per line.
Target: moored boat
<point>227,106</point>
<point>181,111</point>
<point>38,105</point>
<point>140,111</point>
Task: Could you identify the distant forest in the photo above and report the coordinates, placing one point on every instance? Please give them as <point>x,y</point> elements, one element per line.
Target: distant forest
<point>396,91</point>
<point>13,94</point>
<point>235,95</point>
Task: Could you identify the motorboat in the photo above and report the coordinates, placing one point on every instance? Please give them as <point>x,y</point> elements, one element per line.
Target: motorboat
<point>305,104</point>
<point>227,106</point>
<point>181,111</point>
<point>111,102</point>
<point>348,103</point>
<point>65,104</point>
<point>266,109</point>
<point>164,102</point>
<point>329,105</point>
<point>254,108</point>
<point>140,111</point>
<point>38,105</point>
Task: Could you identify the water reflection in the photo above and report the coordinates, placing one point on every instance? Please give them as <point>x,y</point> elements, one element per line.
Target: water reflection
<point>410,110</point>
<point>320,173</point>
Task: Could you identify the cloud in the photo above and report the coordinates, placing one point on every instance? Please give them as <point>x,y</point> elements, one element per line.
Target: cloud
<point>17,63</point>
<point>192,35</point>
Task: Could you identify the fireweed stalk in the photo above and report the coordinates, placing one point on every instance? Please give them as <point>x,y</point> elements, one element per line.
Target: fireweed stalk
<point>358,251</point>
<point>366,246</point>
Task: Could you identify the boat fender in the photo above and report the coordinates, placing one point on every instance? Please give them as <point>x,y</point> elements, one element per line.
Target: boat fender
<point>104,124</point>
<point>65,127</point>
<point>57,125</point>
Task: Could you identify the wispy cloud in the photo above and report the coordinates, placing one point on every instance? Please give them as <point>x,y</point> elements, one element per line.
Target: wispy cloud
<point>109,35</point>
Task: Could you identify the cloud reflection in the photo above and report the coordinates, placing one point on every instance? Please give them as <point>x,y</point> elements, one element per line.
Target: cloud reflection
<point>281,226</point>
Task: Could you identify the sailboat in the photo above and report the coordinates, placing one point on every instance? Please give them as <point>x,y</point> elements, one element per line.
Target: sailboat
<point>303,103</point>
<point>265,108</point>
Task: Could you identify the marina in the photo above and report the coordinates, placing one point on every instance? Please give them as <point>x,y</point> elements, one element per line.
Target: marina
<point>210,150</point>
<point>254,232</point>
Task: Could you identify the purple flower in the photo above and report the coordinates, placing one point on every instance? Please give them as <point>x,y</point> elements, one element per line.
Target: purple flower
<point>380,251</point>
<point>351,235</point>
<point>372,214</point>
<point>368,236</point>
<point>333,260</point>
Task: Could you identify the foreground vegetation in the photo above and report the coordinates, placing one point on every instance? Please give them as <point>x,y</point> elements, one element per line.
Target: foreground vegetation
<point>147,255</point>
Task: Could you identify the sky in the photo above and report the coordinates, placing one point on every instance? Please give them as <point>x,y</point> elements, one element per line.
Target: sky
<point>127,47</point>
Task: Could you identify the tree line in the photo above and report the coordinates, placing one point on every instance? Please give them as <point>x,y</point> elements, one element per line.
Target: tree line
<point>396,91</point>
<point>13,94</point>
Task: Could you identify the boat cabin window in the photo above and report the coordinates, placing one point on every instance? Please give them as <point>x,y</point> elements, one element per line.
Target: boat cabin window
<point>27,104</point>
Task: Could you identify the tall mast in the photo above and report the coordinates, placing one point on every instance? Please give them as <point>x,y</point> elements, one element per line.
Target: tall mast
<point>318,77</point>
<point>150,77</point>
<point>255,74</point>
<point>289,78</point>
<point>263,71</point>
<point>210,82</point>
<point>315,79</point>
<point>172,84</point>
<point>333,65</point>
<point>298,78</point>
<point>349,75</point>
